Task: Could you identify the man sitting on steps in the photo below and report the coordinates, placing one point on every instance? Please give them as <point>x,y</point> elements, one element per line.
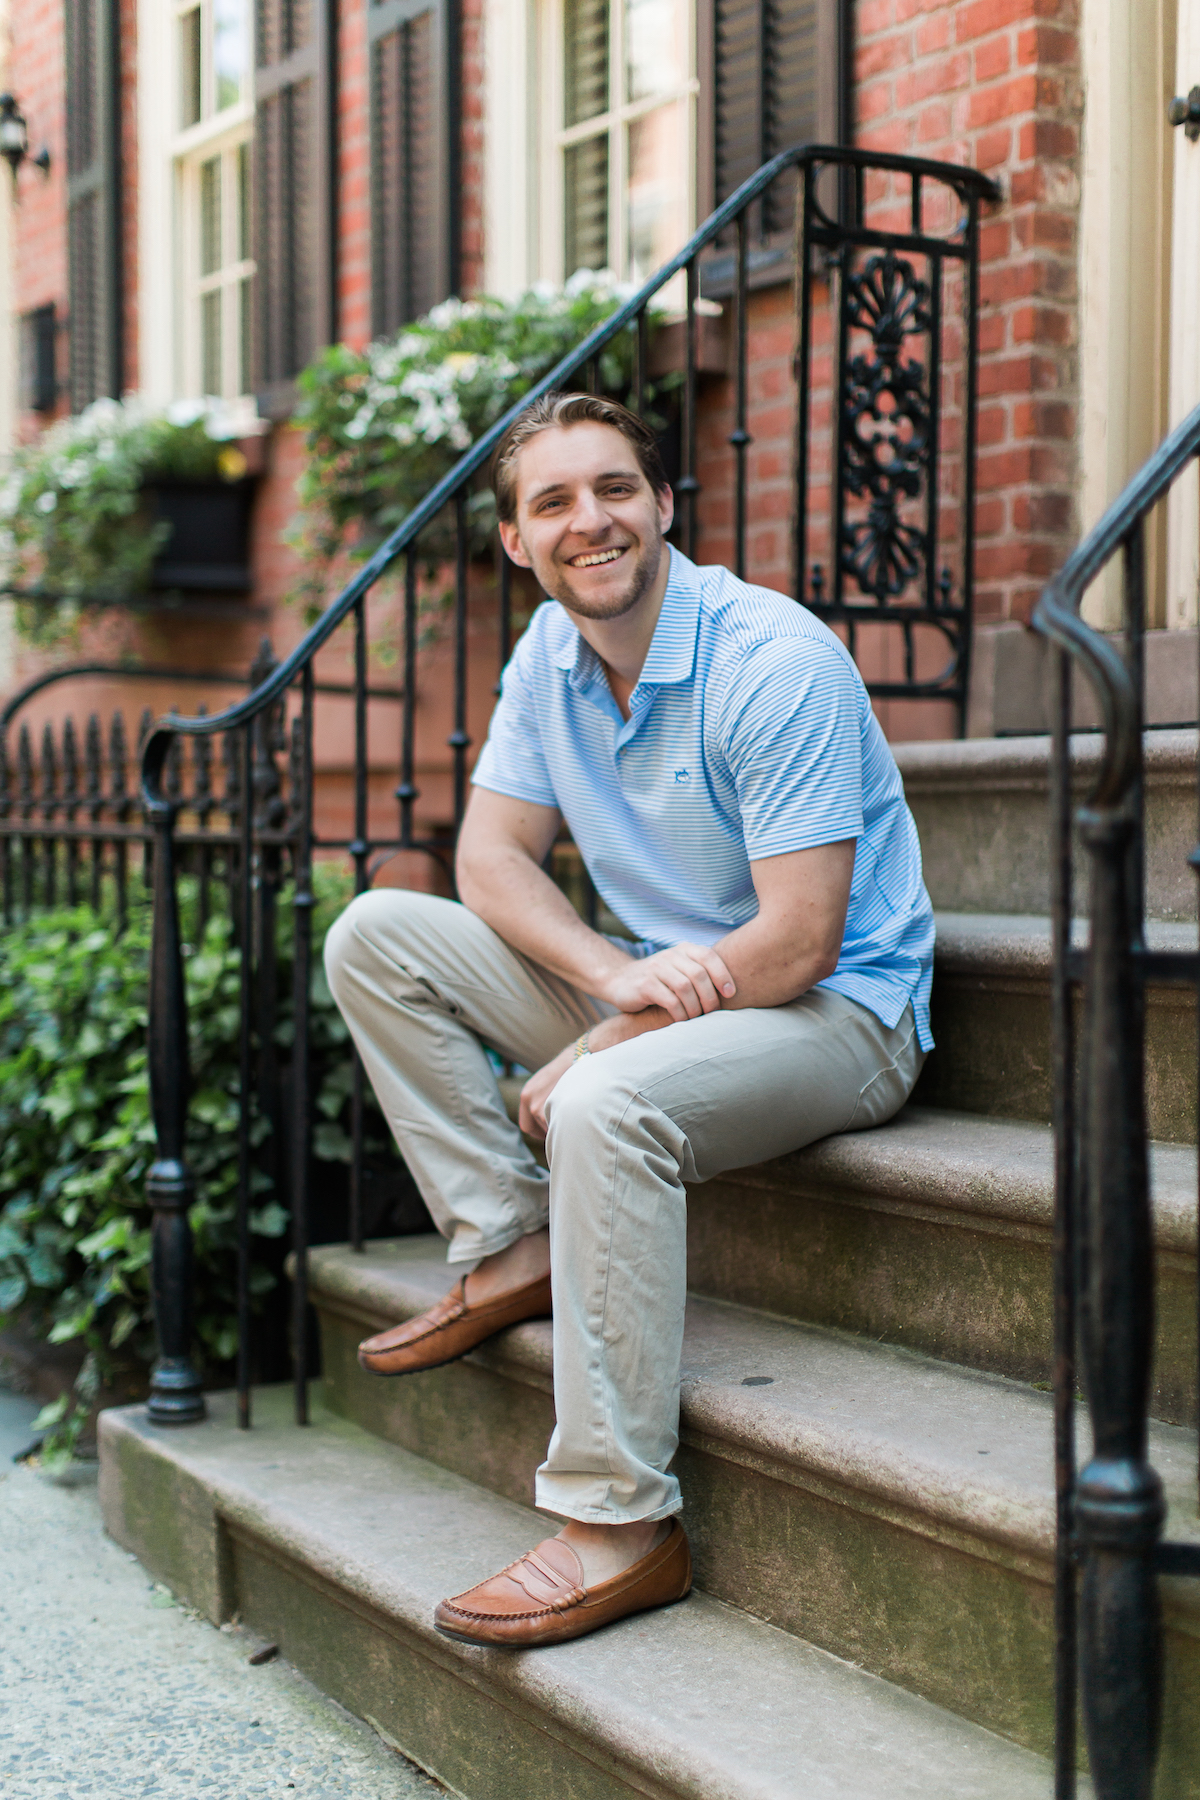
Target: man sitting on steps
<point>713,751</point>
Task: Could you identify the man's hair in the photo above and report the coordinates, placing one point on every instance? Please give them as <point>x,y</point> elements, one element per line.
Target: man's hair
<point>570,409</point>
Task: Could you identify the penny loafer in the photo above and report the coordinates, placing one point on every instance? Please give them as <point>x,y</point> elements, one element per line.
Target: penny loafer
<point>541,1599</point>
<point>452,1328</point>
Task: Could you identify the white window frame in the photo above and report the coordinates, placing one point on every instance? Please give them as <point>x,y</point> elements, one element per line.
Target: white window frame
<point>556,138</point>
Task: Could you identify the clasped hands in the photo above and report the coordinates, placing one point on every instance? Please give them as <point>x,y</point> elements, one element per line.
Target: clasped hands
<point>649,993</point>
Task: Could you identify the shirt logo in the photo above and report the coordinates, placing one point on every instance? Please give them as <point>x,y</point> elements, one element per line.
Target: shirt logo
<point>681,775</point>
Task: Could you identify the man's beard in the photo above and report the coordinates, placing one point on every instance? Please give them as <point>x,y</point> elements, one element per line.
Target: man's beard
<point>615,606</point>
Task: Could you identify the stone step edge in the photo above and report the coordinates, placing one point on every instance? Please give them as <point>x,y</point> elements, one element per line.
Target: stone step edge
<point>1019,946</point>
<point>948,1167</point>
<point>613,1722</point>
<point>1006,1524</point>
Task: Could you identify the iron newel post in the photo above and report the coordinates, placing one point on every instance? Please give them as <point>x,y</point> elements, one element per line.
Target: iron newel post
<point>175,1393</point>
<point>1118,1499</point>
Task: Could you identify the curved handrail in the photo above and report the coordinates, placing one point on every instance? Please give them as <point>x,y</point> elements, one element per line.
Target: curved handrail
<point>1057,612</point>
<point>965,181</point>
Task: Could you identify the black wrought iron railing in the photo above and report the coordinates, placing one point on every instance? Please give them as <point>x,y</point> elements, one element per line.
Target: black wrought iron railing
<point>1110,1512</point>
<point>884,285</point>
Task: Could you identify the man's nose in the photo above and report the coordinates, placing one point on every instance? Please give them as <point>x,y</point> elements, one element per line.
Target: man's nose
<point>589,515</point>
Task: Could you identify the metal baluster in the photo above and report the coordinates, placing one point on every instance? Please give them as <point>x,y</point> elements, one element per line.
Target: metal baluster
<point>458,740</point>
<point>971,372</point>
<point>407,793</point>
<point>1063,1038</point>
<point>231,806</point>
<point>359,850</point>
<point>49,808</point>
<point>803,302</point>
<point>301,1097</point>
<point>144,725</point>
<point>688,487</point>
<point>245,1076</point>
<point>1118,1498</point>
<point>6,807</point>
<point>592,375</point>
<point>268,737</point>
<point>739,437</point>
<point>120,806</point>
<point>25,801</point>
<point>505,568</point>
<point>175,1393</point>
<point>71,798</point>
<point>203,802</point>
<point>932,476</point>
<point>93,761</point>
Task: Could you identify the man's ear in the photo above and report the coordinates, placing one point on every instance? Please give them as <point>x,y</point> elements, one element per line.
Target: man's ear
<point>510,537</point>
<point>666,508</point>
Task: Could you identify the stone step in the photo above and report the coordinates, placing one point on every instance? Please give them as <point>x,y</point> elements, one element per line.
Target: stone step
<point>983,814</point>
<point>337,1547</point>
<point>991,1023</point>
<point>935,1232</point>
<point>832,1485</point>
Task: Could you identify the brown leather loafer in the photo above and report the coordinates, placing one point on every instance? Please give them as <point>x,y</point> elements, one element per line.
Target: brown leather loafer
<point>541,1599</point>
<point>451,1328</point>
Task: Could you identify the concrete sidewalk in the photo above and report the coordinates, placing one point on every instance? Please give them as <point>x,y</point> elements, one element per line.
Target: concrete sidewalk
<point>111,1691</point>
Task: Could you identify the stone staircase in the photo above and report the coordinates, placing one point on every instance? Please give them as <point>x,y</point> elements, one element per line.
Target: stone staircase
<point>866,1425</point>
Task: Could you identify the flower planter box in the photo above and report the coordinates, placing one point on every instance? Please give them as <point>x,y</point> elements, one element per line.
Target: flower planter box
<point>208,550</point>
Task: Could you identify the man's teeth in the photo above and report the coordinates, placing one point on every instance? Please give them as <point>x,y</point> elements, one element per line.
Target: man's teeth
<point>601,556</point>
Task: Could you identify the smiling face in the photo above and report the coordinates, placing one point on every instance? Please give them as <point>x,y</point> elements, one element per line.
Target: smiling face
<point>588,522</point>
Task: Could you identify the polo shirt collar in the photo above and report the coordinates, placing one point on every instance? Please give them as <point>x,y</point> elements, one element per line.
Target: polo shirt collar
<point>672,653</point>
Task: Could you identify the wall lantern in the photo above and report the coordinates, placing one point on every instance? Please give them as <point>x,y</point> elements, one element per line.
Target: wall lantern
<point>14,137</point>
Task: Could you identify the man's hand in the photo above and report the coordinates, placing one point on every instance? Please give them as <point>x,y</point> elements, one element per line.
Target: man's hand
<point>685,981</point>
<point>537,1091</point>
<point>535,1095</point>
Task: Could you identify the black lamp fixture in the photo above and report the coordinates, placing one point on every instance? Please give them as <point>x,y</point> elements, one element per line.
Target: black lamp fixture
<point>14,137</point>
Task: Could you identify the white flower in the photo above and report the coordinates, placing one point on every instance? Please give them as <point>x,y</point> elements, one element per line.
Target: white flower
<point>187,412</point>
<point>46,503</point>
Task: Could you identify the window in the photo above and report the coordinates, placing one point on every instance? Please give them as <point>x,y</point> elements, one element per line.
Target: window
<point>625,133</point>
<point>212,162</point>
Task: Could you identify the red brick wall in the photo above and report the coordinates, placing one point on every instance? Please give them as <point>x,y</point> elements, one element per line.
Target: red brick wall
<point>995,83</point>
<point>35,75</point>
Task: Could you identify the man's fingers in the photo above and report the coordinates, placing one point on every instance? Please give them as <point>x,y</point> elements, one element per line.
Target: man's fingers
<point>718,974</point>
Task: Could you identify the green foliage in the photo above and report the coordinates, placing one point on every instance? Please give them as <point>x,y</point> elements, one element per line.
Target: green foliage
<point>73,513</point>
<point>385,424</point>
<point>76,1135</point>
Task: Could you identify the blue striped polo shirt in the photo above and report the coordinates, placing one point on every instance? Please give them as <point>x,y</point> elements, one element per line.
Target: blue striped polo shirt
<point>750,735</point>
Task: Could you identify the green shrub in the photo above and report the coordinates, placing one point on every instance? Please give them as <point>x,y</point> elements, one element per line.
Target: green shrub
<point>76,1135</point>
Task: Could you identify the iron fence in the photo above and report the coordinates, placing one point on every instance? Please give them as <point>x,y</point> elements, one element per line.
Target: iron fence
<point>867,318</point>
<point>1110,1513</point>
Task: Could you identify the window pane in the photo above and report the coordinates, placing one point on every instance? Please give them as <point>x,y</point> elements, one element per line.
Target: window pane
<point>243,201</point>
<point>210,217</point>
<point>655,47</point>
<point>245,327</point>
<point>189,66</point>
<point>229,50</point>
<point>210,343</point>
<point>657,198</point>
<point>585,75</point>
<point>586,203</point>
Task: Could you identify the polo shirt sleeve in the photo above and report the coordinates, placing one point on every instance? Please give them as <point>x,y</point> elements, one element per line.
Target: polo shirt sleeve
<point>790,722</point>
<point>512,761</point>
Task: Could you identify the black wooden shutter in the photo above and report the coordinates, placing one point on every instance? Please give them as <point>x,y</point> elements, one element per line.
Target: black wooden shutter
<point>294,237</point>
<point>773,81</point>
<point>414,234</point>
<point>93,200</point>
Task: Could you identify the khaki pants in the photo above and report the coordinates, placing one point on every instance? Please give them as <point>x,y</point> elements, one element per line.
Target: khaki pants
<point>421,981</point>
